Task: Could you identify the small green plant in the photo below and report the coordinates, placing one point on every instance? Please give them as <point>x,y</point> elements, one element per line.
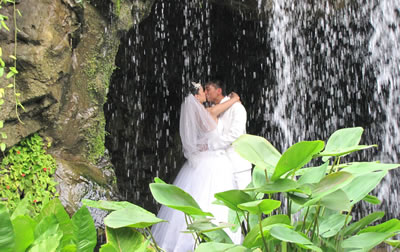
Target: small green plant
<point>51,230</point>
<point>27,172</point>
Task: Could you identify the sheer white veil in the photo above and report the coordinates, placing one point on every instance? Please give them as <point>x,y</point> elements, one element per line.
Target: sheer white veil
<point>195,126</point>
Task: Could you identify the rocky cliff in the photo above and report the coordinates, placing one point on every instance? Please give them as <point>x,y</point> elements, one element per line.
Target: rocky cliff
<point>65,57</point>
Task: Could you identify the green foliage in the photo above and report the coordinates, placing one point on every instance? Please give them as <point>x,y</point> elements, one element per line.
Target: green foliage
<point>27,172</point>
<point>52,230</point>
<point>322,198</point>
<point>126,226</point>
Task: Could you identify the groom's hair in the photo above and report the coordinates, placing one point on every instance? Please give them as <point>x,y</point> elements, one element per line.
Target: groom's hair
<point>217,84</point>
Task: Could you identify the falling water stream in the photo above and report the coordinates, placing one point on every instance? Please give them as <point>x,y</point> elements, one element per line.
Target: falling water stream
<point>303,70</point>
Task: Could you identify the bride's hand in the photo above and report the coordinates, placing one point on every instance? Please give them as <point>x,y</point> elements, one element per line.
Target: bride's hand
<point>234,96</point>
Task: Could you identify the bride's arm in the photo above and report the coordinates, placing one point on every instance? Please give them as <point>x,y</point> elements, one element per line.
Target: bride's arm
<point>219,108</point>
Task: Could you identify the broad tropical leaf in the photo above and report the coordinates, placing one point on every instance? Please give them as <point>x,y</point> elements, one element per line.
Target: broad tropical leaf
<point>313,175</point>
<point>332,225</point>
<point>296,157</point>
<point>85,231</point>
<point>124,240</point>
<point>220,247</point>
<point>265,206</point>
<point>258,151</point>
<point>174,197</point>
<point>135,217</point>
<point>24,227</point>
<point>365,241</point>
<point>389,227</point>
<point>107,205</point>
<point>7,236</point>
<point>362,185</point>
<point>356,226</point>
<point>233,198</point>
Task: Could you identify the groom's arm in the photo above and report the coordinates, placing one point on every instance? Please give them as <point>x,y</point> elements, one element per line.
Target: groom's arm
<point>238,128</point>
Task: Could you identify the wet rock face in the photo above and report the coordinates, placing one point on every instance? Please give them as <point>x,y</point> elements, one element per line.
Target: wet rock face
<point>65,55</point>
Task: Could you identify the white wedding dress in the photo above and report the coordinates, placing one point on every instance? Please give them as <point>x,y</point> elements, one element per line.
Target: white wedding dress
<point>204,174</point>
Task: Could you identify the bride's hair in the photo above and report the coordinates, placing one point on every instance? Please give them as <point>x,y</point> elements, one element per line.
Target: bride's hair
<point>191,89</point>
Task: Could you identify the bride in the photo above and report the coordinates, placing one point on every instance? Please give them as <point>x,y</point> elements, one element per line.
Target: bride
<point>204,174</point>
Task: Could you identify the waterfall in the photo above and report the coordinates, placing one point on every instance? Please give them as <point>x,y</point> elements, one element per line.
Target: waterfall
<point>303,70</point>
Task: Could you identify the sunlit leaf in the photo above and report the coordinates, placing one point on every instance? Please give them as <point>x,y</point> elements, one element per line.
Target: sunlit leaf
<point>332,225</point>
<point>125,239</point>
<point>362,185</point>
<point>232,198</point>
<point>2,147</point>
<point>361,168</point>
<point>85,230</point>
<point>131,217</point>
<point>372,200</point>
<point>258,151</point>
<point>251,238</point>
<point>176,198</point>
<point>265,206</point>
<point>313,175</point>
<point>280,185</point>
<point>389,227</point>
<point>158,180</point>
<point>365,241</point>
<point>337,200</point>
<point>296,157</point>
<point>219,247</point>
<point>24,227</point>
<point>7,236</point>
<point>356,226</point>
<point>329,184</point>
<point>108,205</point>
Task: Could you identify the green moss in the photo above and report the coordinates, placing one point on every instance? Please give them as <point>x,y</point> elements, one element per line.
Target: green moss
<point>95,138</point>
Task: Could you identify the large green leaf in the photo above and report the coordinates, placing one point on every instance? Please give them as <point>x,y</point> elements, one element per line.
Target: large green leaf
<point>204,225</point>
<point>257,150</point>
<point>365,241</point>
<point>329,184</point>
<point>296,157</point>
<point>388,227</point>
<point>107,205</point>
<point>362,185</point>
<point>343,138</point>
<point>313,175</point>
<point>125,240</point>
<point>361,168</point>
<point>85,231</point>
<point>265,206</point>
<point>24,227</point>
<point>344,151</point>
<point>251,238</point>
<point>176,198</point>
<point>372,200</point>
<point>331,225</point>
<point>258,176</point>
<point>24,207</point>
<point>279,185</point>
<point>49,242</point>
<point>232,198</point>
<point>7,236</point>
<point>49,238</point>
<point>342,141</point>
<point>337,200</point>
<point>220,247</point>
<point>288,235</point>
<point>135,217</point>
<point>356,226</point>
<point>54,207</point>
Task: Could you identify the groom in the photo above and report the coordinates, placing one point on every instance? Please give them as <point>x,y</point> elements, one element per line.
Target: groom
<point>231,125</point>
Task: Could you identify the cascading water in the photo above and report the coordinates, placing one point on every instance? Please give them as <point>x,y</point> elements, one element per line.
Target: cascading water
<point>303,70</point>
